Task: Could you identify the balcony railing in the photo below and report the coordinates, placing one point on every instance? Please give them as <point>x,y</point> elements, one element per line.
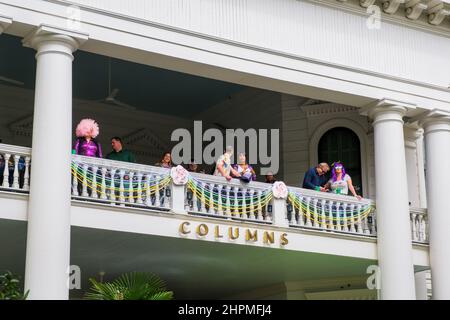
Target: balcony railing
<point>152,188</point>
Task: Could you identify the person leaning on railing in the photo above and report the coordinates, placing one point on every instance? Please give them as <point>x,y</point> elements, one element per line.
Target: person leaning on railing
<point>340,182</point>
<point>223,165</point>
<point>315,178</point>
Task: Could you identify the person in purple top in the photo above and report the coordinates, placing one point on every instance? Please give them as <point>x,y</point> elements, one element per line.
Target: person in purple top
<point>86,144</point>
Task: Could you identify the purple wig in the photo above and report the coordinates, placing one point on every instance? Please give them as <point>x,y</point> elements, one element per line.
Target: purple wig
<point>333,171</point>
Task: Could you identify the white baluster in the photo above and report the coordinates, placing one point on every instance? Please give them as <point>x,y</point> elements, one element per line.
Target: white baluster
<point>26,176</point>
<point>345,219</point>
<point>195,201</point>
<point>203,197</point>
<point>103,188</point>
<point>313,203</point>
<point>228,201</point>
<point>85,172</point>
<point>6,171</point>
<point>414,233</point>
<point>157,192</point>
<point>359,221</point>
<point>167,201</point>
<point>75,179</point>
<point>303,212</point>
<point>259,208</point>
<point>352,218</point>
<point>219,199</point>
<point>139,188</point>
<point>291,218</point>
<point>16,172</point>
<point>330,215</point>
<point>236,202</point>
<point>211,199</point>
<point>130,187</point>
<point>420,236</point>
<point>323,214</point>
<point>148,196</point>
<point>112,195</point>
<point>373,227</point>
<point>252,213</point>
<point>121,187</point>
<point>94,183</point>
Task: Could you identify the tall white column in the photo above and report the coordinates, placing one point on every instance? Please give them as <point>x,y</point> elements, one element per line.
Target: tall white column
<point>437,150</point>
<point>393,222</point>
<point>48,234</point>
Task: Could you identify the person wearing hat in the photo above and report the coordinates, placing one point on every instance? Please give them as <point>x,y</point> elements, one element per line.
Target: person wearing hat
<point>244,169</point>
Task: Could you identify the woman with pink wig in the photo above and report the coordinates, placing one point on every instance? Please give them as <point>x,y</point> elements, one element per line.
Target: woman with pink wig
<point>86,145</point>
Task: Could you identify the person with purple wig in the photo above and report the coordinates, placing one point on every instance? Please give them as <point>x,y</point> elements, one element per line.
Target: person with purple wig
<point>340,182</point>
<point>86,144</point>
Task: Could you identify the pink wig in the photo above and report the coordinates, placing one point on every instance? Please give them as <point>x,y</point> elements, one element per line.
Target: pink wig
<point>87,127</point>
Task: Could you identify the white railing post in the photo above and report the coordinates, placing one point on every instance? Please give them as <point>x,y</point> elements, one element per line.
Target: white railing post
<point>139,188</point>
<point>26,177</point>
<point>103,189</point>
<point>178,194</point>
<point>279,213</point>
<point>6,171</point>
<point>16,172</point>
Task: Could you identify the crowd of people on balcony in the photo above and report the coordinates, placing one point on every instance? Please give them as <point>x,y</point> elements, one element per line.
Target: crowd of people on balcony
<point>87,145</point>
<point>315,178</point>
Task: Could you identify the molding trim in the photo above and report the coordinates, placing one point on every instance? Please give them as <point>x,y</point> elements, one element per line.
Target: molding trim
<point>22,127</point>
<point>426,15</point>
<point>144,142</point>
<point>326,108</point>
<point>74,39</point>
<point>5,22</point>
<point>266,50</point>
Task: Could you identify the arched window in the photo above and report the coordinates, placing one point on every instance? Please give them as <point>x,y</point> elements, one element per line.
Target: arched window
<point>342,144</point>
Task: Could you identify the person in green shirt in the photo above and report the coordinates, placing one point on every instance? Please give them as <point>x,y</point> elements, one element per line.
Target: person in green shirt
<point>118,153</point>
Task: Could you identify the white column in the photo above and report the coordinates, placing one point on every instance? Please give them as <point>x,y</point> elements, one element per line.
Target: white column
<point>437,150</point>
<point>4,23</point>
<point>48,234</point>
<point>393,222</point>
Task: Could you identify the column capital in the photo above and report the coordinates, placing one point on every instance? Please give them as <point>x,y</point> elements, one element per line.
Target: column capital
<point>47,38</point>
<point>4,23</point>
<point>435,120</point>
<point>386,109</point>
<point>412,132</point>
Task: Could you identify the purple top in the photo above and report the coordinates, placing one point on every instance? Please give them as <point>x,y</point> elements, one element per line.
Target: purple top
<point>88,149</point>
<point>245,170</point>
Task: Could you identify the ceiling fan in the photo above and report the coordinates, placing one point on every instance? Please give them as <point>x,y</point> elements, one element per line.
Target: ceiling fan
<point>11,81</point>
<point>112,94</point>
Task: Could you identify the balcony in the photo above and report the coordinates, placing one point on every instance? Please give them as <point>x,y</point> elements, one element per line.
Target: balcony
<point>134,186</point>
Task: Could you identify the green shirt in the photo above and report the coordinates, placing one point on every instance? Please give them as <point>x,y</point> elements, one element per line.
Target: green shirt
<point>123,155</point>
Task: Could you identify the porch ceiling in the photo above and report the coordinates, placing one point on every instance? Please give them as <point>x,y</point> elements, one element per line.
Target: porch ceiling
<point>144,87</point>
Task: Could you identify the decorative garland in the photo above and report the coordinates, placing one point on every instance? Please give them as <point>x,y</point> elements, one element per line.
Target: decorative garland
<point>240,202</point>
<point>93,180</point>
<point>328,216</point>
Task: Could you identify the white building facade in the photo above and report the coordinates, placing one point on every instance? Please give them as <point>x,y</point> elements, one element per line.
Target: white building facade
<point>376,68</point>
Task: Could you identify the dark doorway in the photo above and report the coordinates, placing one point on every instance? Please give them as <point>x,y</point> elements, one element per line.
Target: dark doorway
<point>342,144</point>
